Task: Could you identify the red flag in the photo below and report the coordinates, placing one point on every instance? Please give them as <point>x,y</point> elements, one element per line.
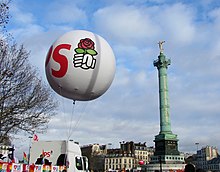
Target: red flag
<point>35,137</point>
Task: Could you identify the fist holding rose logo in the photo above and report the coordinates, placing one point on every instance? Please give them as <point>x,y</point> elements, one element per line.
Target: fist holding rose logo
<point>85,53</point>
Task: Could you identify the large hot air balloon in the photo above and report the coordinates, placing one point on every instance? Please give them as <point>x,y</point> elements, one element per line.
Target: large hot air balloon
<point>80,65</point>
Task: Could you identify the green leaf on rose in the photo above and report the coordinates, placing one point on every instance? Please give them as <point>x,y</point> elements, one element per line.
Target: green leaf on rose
<point>91,52</point>
<point>79,50</point>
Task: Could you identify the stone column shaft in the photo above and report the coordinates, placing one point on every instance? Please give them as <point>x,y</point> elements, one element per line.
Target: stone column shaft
<point>162,63</point>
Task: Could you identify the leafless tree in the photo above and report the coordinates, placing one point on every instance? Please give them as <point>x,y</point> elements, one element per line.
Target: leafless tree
<point>4,12</point>
<point>4,18</point>
<point>26,103</point>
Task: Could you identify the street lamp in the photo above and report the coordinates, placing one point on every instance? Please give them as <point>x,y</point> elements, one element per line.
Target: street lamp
<point>29,149</point>
<point>197,145</point>
<point>160,160</point>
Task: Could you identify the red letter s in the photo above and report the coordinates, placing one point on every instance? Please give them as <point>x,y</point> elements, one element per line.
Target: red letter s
<point>61,59</point>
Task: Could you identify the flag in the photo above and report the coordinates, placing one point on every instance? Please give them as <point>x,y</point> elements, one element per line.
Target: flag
<point>35,137</point>
<point>25,158</point>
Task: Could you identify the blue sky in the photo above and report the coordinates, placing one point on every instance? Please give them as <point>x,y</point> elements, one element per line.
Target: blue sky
<point>129,110</point>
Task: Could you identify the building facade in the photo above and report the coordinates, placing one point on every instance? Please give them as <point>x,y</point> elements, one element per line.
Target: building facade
<point>128,156</point>
<point>214,164</point>
<point>119,161</point>
<point>207,158</point>
<point>96,155</point>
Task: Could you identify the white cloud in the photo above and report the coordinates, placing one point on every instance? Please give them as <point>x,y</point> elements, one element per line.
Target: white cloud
<point>125,24</point>
<point>20,17</point>
<point>176,23</point>
<point>131,25</point>
<point>66,13</point>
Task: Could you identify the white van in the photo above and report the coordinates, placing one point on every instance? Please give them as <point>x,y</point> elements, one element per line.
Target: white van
<point>58,153</point>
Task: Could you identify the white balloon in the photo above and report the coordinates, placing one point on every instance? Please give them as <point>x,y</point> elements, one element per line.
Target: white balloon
<point>80,65</point>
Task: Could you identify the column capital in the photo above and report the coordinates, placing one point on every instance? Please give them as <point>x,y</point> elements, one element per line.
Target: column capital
<point>162,61</point>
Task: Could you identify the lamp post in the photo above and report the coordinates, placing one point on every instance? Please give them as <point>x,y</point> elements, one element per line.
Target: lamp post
<point>197,145</point>
<point>29,149</point>
<point>160,160</point>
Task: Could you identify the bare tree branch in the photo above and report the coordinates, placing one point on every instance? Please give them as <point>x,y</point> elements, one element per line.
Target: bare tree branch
<point>25,102</point>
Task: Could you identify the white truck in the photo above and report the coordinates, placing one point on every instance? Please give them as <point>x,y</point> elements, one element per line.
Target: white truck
<point>59,153</point>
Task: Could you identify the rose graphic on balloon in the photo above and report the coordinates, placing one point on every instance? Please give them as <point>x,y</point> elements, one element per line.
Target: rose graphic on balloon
<point>86,43</point>
<point>85,53</point>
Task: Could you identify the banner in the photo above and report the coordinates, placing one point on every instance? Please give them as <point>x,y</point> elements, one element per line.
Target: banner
<point>3,167</point>
<point>17,167</point>
<point>55,169</point>
<point>46,168</point>
<point>38,168</point>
